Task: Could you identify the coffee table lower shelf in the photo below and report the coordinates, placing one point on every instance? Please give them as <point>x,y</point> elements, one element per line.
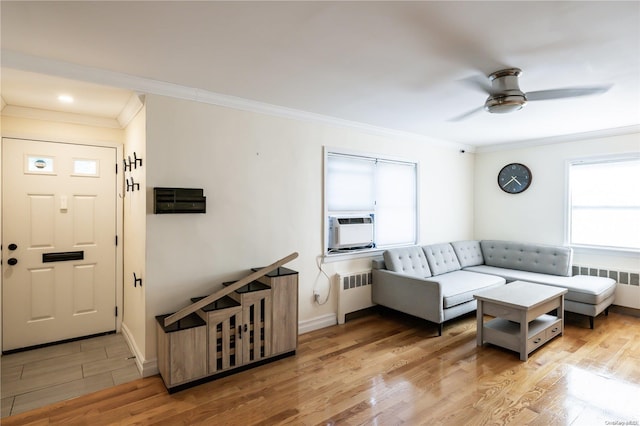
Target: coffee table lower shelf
<point>506,334</point>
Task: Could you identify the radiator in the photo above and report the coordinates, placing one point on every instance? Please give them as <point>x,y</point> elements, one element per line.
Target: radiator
<point>354,293</point>
<point>627,288</point>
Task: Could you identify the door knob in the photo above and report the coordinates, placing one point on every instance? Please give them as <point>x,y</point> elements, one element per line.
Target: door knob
<point>12,246</point>
<point>12,261</point>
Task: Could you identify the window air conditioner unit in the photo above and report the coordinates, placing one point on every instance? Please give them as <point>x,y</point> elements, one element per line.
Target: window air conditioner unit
<point>349,232</point>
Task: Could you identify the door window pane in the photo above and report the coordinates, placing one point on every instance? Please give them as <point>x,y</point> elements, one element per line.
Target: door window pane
<point>85,167</point>
<point>39,164</point>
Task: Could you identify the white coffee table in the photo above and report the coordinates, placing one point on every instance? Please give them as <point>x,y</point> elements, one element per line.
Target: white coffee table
<point>522,322</point>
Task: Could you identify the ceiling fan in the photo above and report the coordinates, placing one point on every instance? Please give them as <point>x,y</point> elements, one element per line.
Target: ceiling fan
<point>505,95</point>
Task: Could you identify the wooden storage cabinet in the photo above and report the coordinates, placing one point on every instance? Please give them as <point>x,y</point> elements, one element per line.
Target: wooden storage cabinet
<point>223,318</point>
<point>254,324</point>
<point>182,350</point>
<point>284,296</point>
<point>254,331</point>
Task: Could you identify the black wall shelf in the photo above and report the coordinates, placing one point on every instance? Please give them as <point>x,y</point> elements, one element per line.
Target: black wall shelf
<point>179,200</point>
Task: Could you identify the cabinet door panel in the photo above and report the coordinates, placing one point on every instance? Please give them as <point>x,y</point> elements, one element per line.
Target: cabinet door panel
<point>224,344</point>
<point>285,314</point>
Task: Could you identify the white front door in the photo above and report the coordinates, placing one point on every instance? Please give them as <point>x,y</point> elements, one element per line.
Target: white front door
<point>59,241</point>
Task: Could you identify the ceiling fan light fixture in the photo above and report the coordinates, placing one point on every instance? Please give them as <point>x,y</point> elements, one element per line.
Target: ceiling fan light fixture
<point>502,104</point>
<point>505,95</point>
<point>65,99</point>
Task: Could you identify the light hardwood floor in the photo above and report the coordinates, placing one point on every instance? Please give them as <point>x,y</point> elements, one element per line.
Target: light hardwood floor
<point>390,369</point>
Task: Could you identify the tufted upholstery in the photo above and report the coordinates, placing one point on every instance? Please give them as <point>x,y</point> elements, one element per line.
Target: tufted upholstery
<point>407,260</point>
<point>553,260</point>
<point>469,253</point>
<point>437,282</point>
<point>441,258</point>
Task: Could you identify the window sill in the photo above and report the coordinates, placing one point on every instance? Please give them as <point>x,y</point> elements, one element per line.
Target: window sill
<point>604,251</point>
<point>359,254</point>
<point>340,257</point>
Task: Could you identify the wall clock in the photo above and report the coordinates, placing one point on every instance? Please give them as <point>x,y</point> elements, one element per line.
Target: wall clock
<point>514,178</point>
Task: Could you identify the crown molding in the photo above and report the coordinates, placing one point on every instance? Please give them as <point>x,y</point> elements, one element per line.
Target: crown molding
<point>136,84</point>
<point>573,137</point>
<point>133,106</point>
<point>270,109</point>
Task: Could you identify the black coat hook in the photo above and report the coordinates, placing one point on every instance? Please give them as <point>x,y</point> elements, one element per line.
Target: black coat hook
<point>136,161</point>
<point>136,280</point>
<point>130,164</point>
<point>132,186</point>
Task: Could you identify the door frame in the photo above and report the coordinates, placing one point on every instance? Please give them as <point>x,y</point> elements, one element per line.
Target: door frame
<point>119,213</point>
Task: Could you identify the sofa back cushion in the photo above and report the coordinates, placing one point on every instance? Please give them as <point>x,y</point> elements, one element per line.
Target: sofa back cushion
<point>545,259</point>
<point>407,260</point>
<point>442,258</point>
<point>469,253</point>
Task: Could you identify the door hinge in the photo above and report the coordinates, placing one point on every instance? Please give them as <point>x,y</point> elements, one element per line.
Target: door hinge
<point>116,168</point>
<point>116,311</point>
<point>116,240</point>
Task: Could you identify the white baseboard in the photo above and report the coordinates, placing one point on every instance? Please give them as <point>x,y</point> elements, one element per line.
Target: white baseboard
<point>145,367</point>
<point>317,323</point>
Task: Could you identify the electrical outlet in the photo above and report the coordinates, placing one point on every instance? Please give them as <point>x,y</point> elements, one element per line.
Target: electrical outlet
<point>316,295</point>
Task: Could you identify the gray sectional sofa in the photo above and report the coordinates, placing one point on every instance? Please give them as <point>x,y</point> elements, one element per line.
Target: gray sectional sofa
<point>437,282</point>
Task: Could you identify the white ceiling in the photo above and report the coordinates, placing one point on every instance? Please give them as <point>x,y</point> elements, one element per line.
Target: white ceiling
<point>393,65</point>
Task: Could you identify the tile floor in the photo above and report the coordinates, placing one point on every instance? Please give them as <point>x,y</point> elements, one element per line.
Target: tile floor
<point>51,374</point>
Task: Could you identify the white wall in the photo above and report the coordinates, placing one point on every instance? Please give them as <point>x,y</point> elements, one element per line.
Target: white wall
<point>538,214</point>
<point>262,176</point>
<point>135,208</point>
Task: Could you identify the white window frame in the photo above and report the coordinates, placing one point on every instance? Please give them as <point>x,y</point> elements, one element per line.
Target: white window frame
<point>367,252</point>
<point>587,248</point>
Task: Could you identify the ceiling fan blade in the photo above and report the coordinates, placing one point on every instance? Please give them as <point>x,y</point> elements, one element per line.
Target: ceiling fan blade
<point>542,95</point>
<point>433,24</point>
<point>467,114</point>
<point>478,82</point>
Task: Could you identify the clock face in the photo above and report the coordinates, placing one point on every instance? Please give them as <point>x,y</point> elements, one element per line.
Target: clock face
<point>514,178</point>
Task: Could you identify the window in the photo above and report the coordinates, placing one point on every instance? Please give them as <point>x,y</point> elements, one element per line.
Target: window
<point>39,164</point>
<point>84,167</point>
<point>604,203</point>
<point>360,186</point>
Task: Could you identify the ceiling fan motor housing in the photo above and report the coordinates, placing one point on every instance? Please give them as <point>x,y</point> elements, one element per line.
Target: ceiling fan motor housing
<point>506,95</point>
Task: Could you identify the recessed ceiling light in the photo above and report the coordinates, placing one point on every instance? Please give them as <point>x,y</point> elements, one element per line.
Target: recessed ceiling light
<point>67,99</point>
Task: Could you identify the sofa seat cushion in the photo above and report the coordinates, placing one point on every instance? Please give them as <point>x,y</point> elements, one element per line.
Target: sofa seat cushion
<point>442,258</point>
<point>407,260</point>
<point>582,288</point>
<point>459,286</point>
